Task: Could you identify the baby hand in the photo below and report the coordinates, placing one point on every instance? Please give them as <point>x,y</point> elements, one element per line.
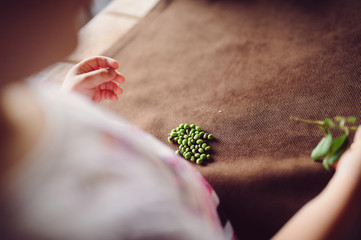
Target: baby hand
<point>96,78</point>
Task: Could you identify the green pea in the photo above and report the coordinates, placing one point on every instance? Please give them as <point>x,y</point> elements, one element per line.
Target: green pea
<point>210,136</point>
<point>198,128</point>
<point>176,139</point>
<point>187,150</point>
<point>189,143</point>
<point>196,132</point>
<point>184,142</point>
<point>187,155</point>
<point>196,155</point>
<point>201,150</point>
<point>191,147</point>
<point>177,152</point>
<point>185,136</point>
<point>199,161</point>
<point>196,147</point>
<point>203,156</point>
<point>192,141</point>
<point>194,150</point>
<point>199,141</point>
<point>193,158</point>
<point>207,148</point>
<point>186,126</point>
<point>196,137</point>
<point>191,131</point>
<point>181,146</point>
<point>204,145</point>
<point>192,125</point>
<point>182,131</point>
<point>201,133</point>
<point>173,134</point>
<point>205,136</point>
<point>170,139</point>
<point>181,125</point>
<point>179,141</point>
<point>208,156</point>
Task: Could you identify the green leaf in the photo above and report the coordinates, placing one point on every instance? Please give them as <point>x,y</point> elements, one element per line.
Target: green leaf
<point>333,157</point>
<point>322,147</point>
<point>337,143</point>
<point>325,164</point>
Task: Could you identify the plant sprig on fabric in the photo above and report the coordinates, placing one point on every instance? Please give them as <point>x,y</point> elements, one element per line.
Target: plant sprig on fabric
<point>330,148</point>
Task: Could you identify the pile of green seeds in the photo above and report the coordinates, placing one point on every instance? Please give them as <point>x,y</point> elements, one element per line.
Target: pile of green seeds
<point>192,142</point>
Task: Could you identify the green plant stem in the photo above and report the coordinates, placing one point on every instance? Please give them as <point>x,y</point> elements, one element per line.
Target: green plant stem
<point>318,123</point>
<point>322,124</point>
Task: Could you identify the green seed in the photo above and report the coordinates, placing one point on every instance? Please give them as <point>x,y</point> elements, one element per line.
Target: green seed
<point>170,139</point>
<point>207,148</point>
<point>182,131</point>
<point>185,136</point>
<point>186,126</point>
<point>210,136</point>
<point>196,147</point>
<point>201,150</point>
<point>176,139</point>
<point>177,152</point>
<point>173,134</point>
<point>197,155</point>
<point>196,137</point>
<point>193,158</point>
<point>191,147</point>
<point>192,126</point>
<point>187,155</point>
<point>208,156</point>
<point>181,125</point>
<point>184,142</point>
<point>203,156</point>
<point>205,136</point>
<point>199,141</point>
<point>199,161</point>
<point>204,145</point>
<point>194,150</point>
<point>179,141</point>
<point>198,128</point>
<point>187,150</point>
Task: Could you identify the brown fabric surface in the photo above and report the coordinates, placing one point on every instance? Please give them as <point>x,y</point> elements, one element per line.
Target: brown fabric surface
<point>240,69</point>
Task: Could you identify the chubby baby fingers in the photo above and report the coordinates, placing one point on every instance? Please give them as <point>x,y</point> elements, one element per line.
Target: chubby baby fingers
<point>105,95</point>
<point>97,77</point>
<point>119,77</point>
<point>109,95</point>
<point>111,85</point>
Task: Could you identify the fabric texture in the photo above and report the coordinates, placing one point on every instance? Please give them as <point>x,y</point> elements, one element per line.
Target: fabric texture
<point>240,69</point>
<point>95,176</point>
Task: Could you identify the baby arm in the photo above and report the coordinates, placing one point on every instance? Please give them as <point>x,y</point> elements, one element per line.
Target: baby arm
<point>95,78</point>
<point>335,213</point>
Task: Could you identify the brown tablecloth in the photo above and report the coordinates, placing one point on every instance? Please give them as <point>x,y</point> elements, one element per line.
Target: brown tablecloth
<point>240,69</point>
